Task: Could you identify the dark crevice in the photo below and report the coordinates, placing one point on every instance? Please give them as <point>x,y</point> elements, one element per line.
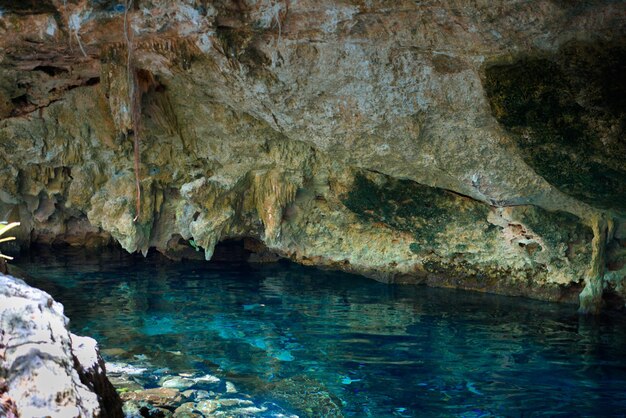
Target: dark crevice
<point>245,249</point>
<point>492,202</point>
<point>20,101</point>
<point>51,70</point>
<point>92,81</point>
<point>30,108</point>
<point>89,82</point>
<point>231,250</point>
<point>83,83</point>
<point>28,7</point>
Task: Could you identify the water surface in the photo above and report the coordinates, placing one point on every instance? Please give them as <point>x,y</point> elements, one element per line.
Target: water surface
<point>304,340</point>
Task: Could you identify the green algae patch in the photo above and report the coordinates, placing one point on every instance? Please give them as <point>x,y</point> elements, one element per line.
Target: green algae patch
<point>567,114</point>
<point>463,243</point>
<point>407,206</point>
<point>556,227</point>
<point>564,234</point>
<point>414,247</point>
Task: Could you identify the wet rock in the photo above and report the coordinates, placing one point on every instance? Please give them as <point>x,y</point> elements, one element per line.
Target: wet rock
<point>230,387</point>
<point>188,410</point>
<point>160,397</point>
<point>308,396</point>
<point>207,407</point>
<point>247,411</point>
<point>124,383</point>
<point>176,382</point>
<point>143,409</point>
<point>46,370</point>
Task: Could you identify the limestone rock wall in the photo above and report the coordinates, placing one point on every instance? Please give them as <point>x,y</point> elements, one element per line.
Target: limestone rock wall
<point>467,144</point>
<point>46,370</point>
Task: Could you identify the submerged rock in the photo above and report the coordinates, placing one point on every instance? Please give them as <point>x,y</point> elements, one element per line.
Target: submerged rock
<point>185,382</point>
<point>46,370</point>
<point>308,396</point>
<point>188,410</point>
<point>177,382</point>
<point>165,402</point>
<point>230,387</point>
<point>207,407</point>
<point>158,397</point>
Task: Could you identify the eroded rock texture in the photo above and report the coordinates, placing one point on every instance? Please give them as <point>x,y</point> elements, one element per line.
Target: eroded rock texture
<point>468,144</point>
<point>44,369</point>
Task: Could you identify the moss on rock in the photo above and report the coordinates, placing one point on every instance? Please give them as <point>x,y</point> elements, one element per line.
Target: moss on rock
<point>558,228</point>
<point>408,206</point>
<point>567,113</point>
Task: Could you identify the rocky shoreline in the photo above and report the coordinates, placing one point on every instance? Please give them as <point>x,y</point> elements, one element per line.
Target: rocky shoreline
<point>44,369</point>
<point>47,371</point>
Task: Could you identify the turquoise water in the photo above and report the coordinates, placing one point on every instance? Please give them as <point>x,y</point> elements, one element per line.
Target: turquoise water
<point>317,343</point>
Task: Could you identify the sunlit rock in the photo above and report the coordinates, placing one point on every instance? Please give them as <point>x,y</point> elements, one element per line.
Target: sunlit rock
<point>45,370</point>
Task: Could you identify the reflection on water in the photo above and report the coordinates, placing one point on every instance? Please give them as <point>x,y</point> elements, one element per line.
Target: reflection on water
<point>289,335</point>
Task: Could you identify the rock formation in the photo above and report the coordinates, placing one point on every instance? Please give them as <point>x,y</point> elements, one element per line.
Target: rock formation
<point>467,144</point>
<point>44,369</point>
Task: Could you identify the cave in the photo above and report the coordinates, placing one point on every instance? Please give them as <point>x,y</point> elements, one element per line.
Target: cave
<point>312,208</point>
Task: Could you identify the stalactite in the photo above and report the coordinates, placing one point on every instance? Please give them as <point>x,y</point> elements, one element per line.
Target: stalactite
<point>591,296</point>
<point>273,191</point>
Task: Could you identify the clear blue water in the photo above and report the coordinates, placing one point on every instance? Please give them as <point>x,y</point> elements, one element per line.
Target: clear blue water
<point>298,337</point>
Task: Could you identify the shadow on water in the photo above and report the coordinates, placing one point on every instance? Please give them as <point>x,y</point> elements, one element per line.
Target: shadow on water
<point>312,339</point>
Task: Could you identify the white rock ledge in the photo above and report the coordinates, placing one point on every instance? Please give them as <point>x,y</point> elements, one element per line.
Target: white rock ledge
<point>44,369</point>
